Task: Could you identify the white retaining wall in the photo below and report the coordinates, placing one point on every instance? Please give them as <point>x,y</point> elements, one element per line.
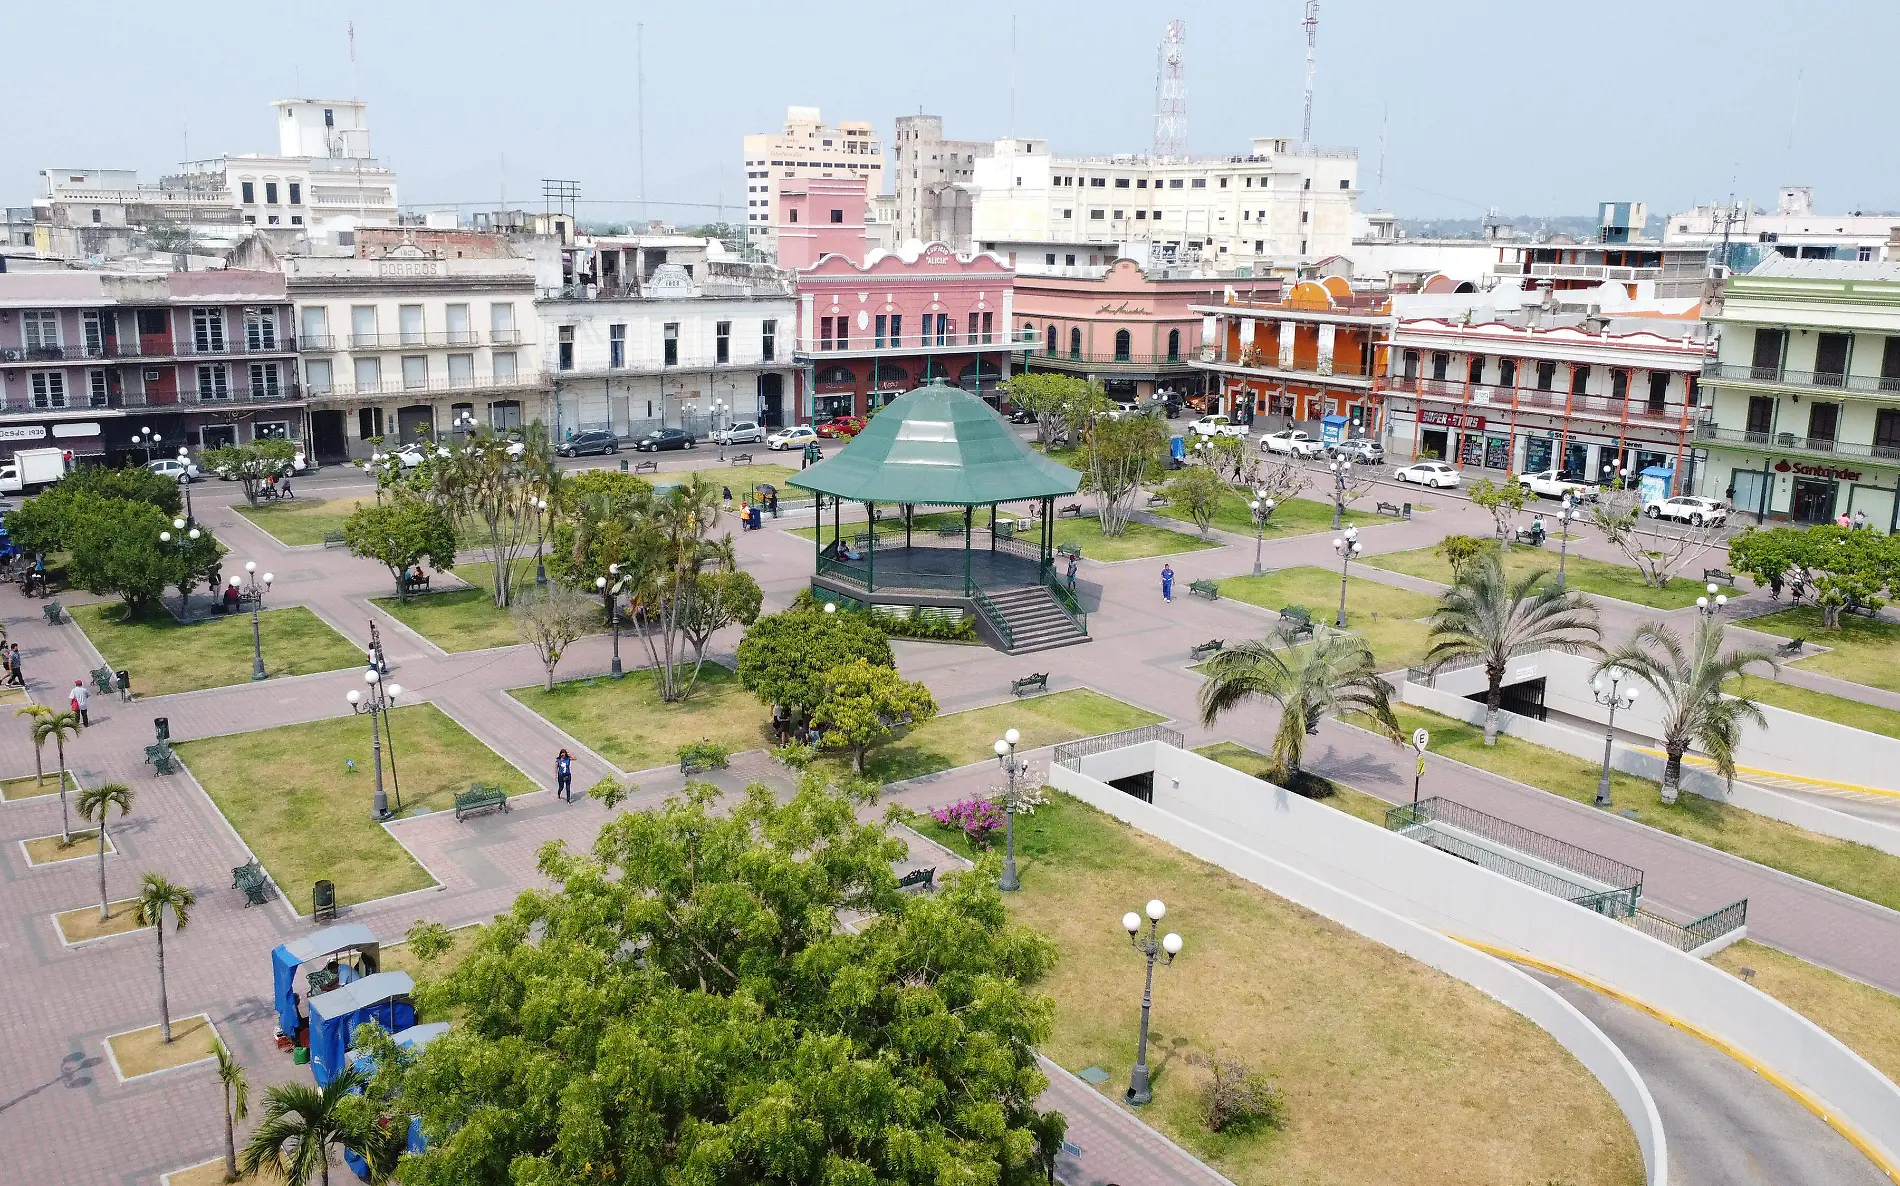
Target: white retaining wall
<point>1338,865</point>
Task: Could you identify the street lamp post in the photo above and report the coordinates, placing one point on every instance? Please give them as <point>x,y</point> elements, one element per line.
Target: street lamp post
<point>1342,476</point>
<point>1170,945</point>
<point>184,537</point>
<point>1348,546</point>
<point>184,479</point>
<point>1013,768</point>
<point>381,698</point>
<point>1261,506</point>
<point>607,593</point>
<point>1612,698</point>
<point>1710,604</point>
<point>255,592</point>
<point>146,439</point>
<point>1565,517</point>
<point>540,559</point>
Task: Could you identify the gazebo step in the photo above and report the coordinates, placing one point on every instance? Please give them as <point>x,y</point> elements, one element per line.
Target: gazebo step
<point>1035,621</point>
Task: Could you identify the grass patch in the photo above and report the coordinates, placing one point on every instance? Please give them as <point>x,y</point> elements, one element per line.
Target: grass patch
<point>208,1173</point>
<point>1384,615</point>
<point>1861,651</point>
<point>77,926</point>
<point>960,738</point>
<point>166,656</point>
<point>301,521</point>
<point>399,957</point>
<point>464,619</point>
<point>1293,516</point>
<point>626,722</point>
<point>1353,1033</point>
<point>1827,707</point>
<point>1865,1019</point>
<point>15,789</point>
<point>288,793</point>
<point>1857,869</point>
<point>141,1052</point>
<point>1334,794</point>
<point>1580,572</point>
<point>740,478</point>
<point>1137,540</point>
<point>50,850</point>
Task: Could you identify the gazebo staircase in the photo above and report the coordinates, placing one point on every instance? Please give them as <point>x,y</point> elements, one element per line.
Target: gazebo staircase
<point>1036,622</point>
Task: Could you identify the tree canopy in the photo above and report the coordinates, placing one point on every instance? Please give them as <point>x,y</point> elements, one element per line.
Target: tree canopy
<point>783,658</point>
<point>116,548</point>
<point>686,1006</point>
<point>252,465</point>
<point>44,523</point>
<point>1843,565</point>
<point>401,531</point>
<point>864,705</point>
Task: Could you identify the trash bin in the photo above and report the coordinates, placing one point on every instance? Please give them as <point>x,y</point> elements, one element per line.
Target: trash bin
<point>623,465</point>
<point>323,902</point>
<point>161,726</point>
<point>1408,510</point>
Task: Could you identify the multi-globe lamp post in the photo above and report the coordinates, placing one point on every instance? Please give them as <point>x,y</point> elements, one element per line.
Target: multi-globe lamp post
<point>1348,546</point>
<point>184,480</point>
<point>1612,698</point>
<point>380,699</point>
<point>1261,506</point>
<point>1013,768</point>
<point>1150,947</point>
<point>252,588</point>
<point>1710,604</point>
<point>540,556</point>
<point>1341,468</point>
<point>609,590</point>
<point>1565,517</point>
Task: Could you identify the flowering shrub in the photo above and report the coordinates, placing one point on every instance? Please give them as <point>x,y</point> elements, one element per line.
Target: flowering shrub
<point>979,819</point>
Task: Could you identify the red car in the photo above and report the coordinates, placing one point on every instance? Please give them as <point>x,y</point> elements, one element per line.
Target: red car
<point>842,426</point>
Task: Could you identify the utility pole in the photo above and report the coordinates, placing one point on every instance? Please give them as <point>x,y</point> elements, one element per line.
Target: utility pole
<point>1170,141</point>
<point>1311,24</point>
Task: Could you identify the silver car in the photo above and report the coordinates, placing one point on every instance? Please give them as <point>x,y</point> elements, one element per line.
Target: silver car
<point>745,432</point>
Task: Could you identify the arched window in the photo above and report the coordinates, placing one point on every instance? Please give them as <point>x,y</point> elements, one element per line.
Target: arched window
<point>1122,344</point>
<point>837,374</point>
<point>1052,339</point>
<point>1075,343</point>
<point>1174,345</point>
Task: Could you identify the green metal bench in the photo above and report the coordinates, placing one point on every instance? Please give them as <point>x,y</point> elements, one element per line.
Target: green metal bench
<point>1205,588</point>
<point>925,878</point>
<point>333,539</point>
<point>52,610</point>
<point>1212,646</point>
<point>1066,550</point>
<point>480,797</point>
<point>1297,621</point>
<point>1038,682</point>
<point>251,882</point>
<point>102,679</point>
<point>160,756</point>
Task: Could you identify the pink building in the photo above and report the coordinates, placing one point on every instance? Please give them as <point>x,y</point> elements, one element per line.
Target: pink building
<point>873,324</point>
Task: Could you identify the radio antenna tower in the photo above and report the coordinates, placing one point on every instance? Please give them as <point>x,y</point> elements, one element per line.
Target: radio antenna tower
<point>1170,95</point>
<point>1312,40</point>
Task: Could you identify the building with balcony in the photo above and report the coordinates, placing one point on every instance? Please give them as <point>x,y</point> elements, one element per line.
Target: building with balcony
<point>807,148</point>
<point>1642,268</point>
<point>1805,422</point>
<point>90,358</point>
<point>1132,328</point>
<point>414,345</point>
<point>1299,357</point>
<point>1501,390</point>
<point>1793,229</point>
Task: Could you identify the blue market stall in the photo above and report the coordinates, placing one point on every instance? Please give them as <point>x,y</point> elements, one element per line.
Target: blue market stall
<point>348,952</point>
<point>334,1016</point>
<point>413,1040</point>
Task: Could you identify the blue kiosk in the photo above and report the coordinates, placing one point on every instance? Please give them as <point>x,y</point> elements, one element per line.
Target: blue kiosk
<point>413,1040</point>
<point>382,998</point>
<point>348,953</point>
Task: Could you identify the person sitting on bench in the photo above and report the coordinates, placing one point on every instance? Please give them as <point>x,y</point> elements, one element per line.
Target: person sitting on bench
<point>1537,530</point>
<point>850,552</point>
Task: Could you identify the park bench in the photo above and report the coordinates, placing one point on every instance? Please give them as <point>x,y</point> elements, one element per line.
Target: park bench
<point>480,797</point>
<point>334,539</point>
<point>1212,646</point>
<point>949,530</point>
<point>414,584</point>
<point>1394,510</point>
<point>251,882</point>
<point>102,679</point>
<point>1074,508</point>
<point>52,610</point>
<point>691,764</point>
<point>1297,621</point>
<point>1530,535</point>
<point>1067,550</point>
<point>1791,647</point>
<point>1718,574</point>
<point>1156,499</point>
<point>646,467</point>
<point>1038,682</point>
<point>159,754</point>
<point>741,459</point>
<point>1205,588</point>
<point>926,878</point>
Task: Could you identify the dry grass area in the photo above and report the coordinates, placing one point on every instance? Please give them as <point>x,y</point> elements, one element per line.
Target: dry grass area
<point>400,957</point>
<point>142,1052</point>
<point>1865,1019</point>
<point>77,926</point>
<point>14,789</point>
<point>1392,1072</point>
<point>209,1173</point>
<point>50,850</point>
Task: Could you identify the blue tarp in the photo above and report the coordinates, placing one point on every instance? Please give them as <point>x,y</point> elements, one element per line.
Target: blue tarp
<point>285,961</point>
<point>412,1039</point>
<point>334,1016</point>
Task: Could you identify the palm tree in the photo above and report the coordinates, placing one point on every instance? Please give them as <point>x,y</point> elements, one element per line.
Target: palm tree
<point>1694,709</point>
<point>1487,616</point>
<point>303,1124</point>
<point>237,1105</point>
<point>156,896</point>
<point>36,711</point>
<point>1333,674</point>
<point>97,801</point>
<point>57,726</point>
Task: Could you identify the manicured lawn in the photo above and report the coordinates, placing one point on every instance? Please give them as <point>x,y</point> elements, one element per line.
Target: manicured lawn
<point>464,619</point>
<point>1353,1034</point>
<point>739,478</point>
<point>1856,869</point>
<point>1137,540</point>
<point>1231,754</point>
<point>301,521</point>
<point>1387,617</point>
<point>1863,650</point>
<point>291,796</point>
<point>1839,709</point>
<point>958,739</point>
<point>1865,1019</point>
<point>1295,516</point>
<point>625,721</point>
<point>1580,572</point>
<point>167,656</point>
<point>143,1051</point>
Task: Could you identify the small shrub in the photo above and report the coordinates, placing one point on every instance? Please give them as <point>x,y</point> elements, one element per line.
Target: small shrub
<point>795,755</point>
<point>928,627</point>
<point>1236,1096</point>
<point>429,940</point>
<point>705,753</point>
<point>1460,550</point>
<point>978,819</point>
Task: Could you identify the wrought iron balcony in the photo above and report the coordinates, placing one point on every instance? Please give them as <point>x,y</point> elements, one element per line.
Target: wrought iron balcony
<point>1774,376</point>
<point>1787,442</point>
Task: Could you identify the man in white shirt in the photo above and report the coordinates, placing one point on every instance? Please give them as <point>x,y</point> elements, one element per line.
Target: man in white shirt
<point>79,700</point>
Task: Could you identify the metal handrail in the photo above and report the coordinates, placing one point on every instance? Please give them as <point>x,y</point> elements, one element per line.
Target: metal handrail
<point>1581,861</point>
<point>1428,675</point>
<point>1689,936</point>
<point>1616,903</point>
<point>1065,599</point>
<point>1783,377</point>
<point>992,614</point>
<point>1787,442</point>
<point>1070,753</point>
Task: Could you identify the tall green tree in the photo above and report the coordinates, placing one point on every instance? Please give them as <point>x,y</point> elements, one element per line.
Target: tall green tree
<point>671,547</point>
<point>36,712</point>
<point>115,549</point>
<point>550,620</point>
<point>755,1038</point>
<point>716,600</point>
<point>303,1126</point>
<point>1061,403</point>
<point>863,705</point>
<point>401,532</point>
<point>56,726</point>
<point>592,521</point>
<point>1489,617</point>
<point>237,1105</point>
<point>1197,492</point>
<point>1688,680</point>
<point>783,658</point>
<point>252,465</point>
<point>1844,567</point>
<point>1504,500</point>
<point>1118,454</point>
<point>157,895</point>
<point>492,484</point>
<point>96,802</point>
<point>44,522</point>
<point>1335,673</point>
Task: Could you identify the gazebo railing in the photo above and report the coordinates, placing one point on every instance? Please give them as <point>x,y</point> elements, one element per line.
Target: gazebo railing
<point>1065,599</point>
<point>993,615</point>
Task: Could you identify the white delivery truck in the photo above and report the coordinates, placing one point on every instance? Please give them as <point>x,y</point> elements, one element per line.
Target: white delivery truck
<point>31,469</point>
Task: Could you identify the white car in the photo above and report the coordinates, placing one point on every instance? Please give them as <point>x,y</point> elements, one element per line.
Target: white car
<point>795,437</point>
<point>1428,473</point>
<point>745,432</point>
<point>175,469</point>
<point>1292,442</point>
<point>1683,509</point>
<point>296,465</point>
<point>1550,483</point>
<point>1218,426</point>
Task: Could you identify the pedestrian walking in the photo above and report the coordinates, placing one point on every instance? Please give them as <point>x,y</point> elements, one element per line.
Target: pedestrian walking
<point>725,492</point>
<point>1072,566</point>
<point>564,776</point>
<point>80,700</point>
<point>1167,583</point>
<point>15,676</point>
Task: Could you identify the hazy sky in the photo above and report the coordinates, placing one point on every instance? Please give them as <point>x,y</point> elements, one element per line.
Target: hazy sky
<point>1531,106</point>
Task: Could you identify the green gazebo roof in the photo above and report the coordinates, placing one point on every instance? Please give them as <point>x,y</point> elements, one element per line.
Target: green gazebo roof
<point>938,446</point>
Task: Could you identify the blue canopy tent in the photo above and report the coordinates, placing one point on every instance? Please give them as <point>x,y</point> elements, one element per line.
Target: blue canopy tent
<point>331,941</point>
<point>334,1016</point>
<point>413,1040</point>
